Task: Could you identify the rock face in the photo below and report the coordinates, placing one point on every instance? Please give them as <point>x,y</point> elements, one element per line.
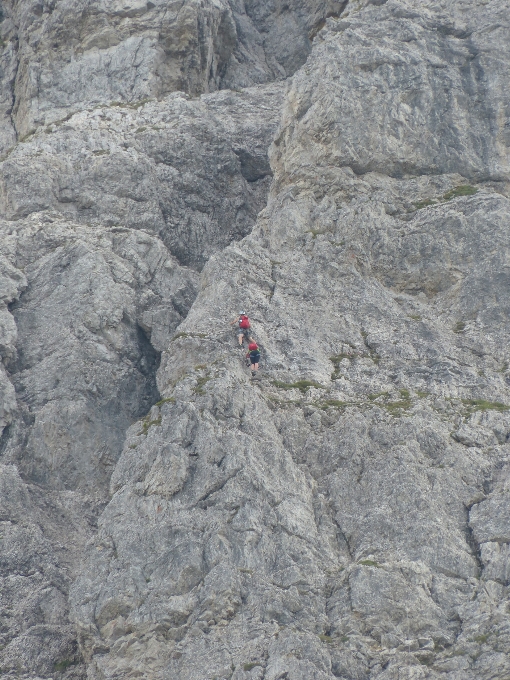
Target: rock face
<point>193,172</point>
<point>344,514</point>
<point>97,308</point>
<point>62,57</point>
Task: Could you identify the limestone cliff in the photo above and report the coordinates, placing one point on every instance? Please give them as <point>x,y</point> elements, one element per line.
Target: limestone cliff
<point>341,170</point>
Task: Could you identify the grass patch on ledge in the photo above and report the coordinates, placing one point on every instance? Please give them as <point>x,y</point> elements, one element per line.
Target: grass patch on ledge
<point>335,403</point>
<point>301,385</point>
<point>482,639</point>
<point>146,424</point>
<point>183,334</point>
<point>128,105</point>
<point>484,405</point>
<point>395,408</point>
<point>339,357</point>
<point>336,360</point>
<point>376,395</point>
<point>249,666</point>
<point>201,382</point>
<point>326,638</point>
<point>64,665</point>
<point>462,190</point>
<point>166,400</point>
<point>378,399</point>
<point>375,357</point>
<point>424,204</point>
<point>369,563</point>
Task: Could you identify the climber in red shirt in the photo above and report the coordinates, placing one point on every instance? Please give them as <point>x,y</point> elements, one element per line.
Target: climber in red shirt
<point>243,330</point>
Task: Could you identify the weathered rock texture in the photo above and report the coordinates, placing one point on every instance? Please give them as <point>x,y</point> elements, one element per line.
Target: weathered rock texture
<point>344,515</point>
<point>98,307</point>
<point>193,172</point>
<point>61,57</point>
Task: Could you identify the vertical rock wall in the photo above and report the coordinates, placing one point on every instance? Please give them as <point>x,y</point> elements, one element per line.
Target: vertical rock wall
<point>345,514</point>
<point>102,212</point>
<point>63,57</point>
<point>326,519</point>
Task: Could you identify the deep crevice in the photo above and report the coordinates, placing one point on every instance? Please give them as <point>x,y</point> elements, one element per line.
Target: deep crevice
<point>148,365</point>
<point>4,438</point>
<point>473,545</point>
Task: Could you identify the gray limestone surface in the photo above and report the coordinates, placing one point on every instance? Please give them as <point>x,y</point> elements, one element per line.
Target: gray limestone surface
<point>340,516</point>
<point>60,57</point>
<point>92,309</point>
<point>194,172</point>
<point>344,513</point>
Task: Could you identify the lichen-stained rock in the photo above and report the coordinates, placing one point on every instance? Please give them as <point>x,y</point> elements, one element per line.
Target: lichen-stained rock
<point>7,399</point>
<point>8,67</point>
<point>194,172</point>
<point>103,300</point>
<point>337,516</point>
<point>490,520</point>
<point>215,549</point>
<point>490,523</point>
<point>89,312</point>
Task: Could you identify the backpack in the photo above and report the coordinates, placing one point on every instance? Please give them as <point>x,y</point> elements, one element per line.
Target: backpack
<point>244,322</point>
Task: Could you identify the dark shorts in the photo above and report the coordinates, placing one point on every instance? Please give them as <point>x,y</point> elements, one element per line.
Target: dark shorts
<point>255,359</point>
<point>243,331</point>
